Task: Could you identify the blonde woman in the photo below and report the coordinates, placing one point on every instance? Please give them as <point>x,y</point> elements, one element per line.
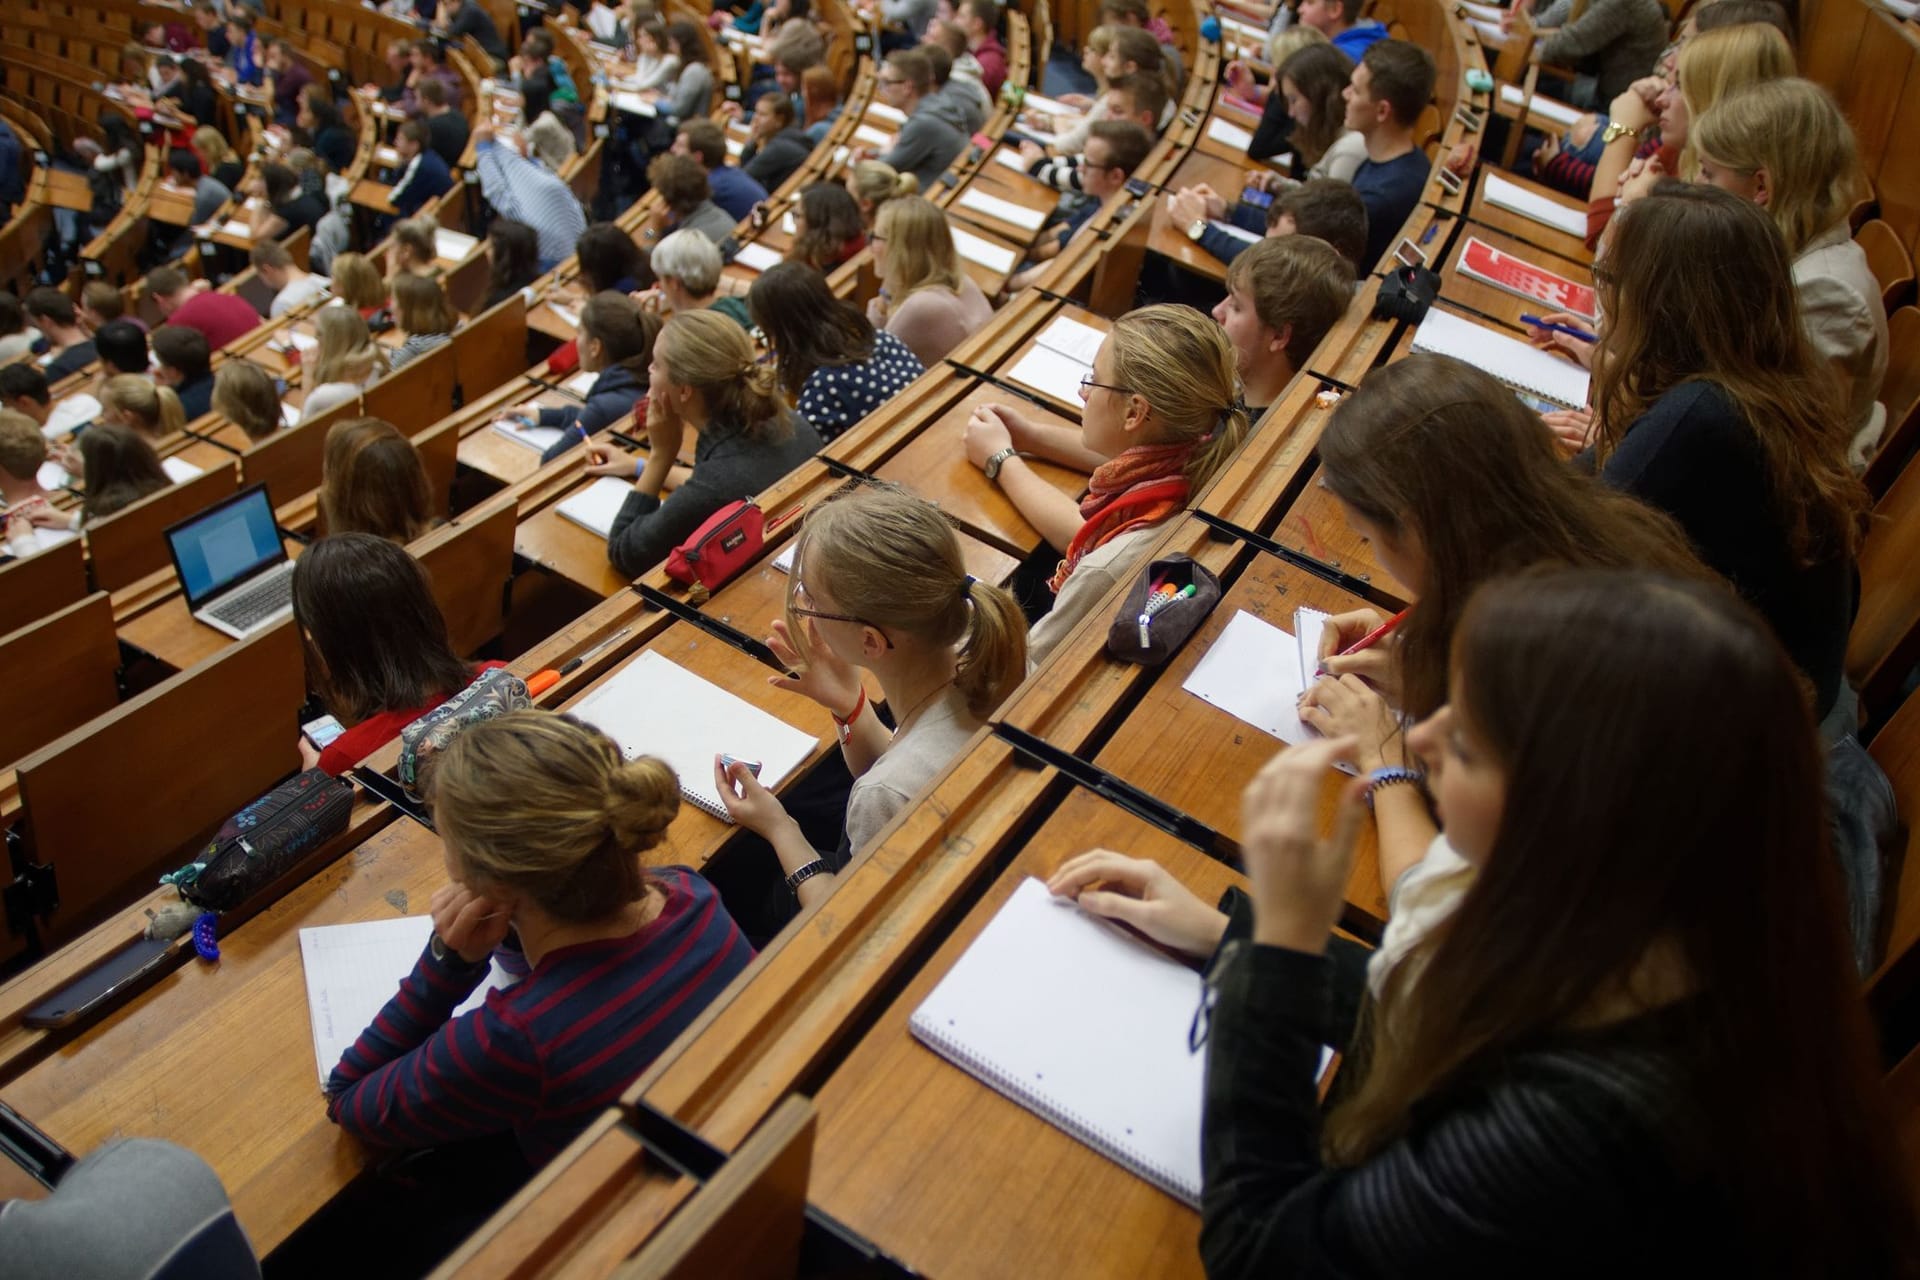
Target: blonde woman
<point>414,249</point>
<point>545,825</point>
<point>221,163</point>
<point>1786,147</point>
<point>244,395</point>
<point>872,184</point>
<point>358,283</point>
<point>1162,416</point>
<point>926,299</point>
<point>135,402</point>
<point>879,586</point>
<point>345,363</point>
<point>422,314</point>
<point>704,375</point>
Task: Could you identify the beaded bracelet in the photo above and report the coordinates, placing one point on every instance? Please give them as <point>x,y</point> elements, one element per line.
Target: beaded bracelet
<point>1390,776</point>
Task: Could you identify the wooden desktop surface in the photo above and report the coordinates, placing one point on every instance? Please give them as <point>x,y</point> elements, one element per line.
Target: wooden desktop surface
<point>1199,168</point>
<point>1551,239</point>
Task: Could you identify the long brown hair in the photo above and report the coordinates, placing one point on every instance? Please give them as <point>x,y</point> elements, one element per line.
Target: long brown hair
<point>371,622</point>
<point>1697,287</point>
<point>372,481</point>
<point>121,468</point>
<point>1662,821</point>
<point>1434,448</point>
<point>1320,73</point>
<point>806,325</point>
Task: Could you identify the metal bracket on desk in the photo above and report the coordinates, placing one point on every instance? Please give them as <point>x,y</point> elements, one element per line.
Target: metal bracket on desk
<point>1227,530</point>
<point>712,626</point>
<point>33,895</point>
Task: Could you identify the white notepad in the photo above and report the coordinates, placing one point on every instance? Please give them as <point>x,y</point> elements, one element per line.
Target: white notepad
<point>1009,157</point>
<point>1238,233</point>
<point>452,245</point>
<point>631,103</point>
<point>354,969</point>
<point>873,137</point>
<point>1071,338</point>
<point>1229,134</point>
<point>1489,32</point>
<point>290,413</point>
<point>541,438</point>
<point>1534,207</point>
<point>1254,672</point>
<point>51,476</point>
<point>581,383</point>
<point>595,506</point>
<point>1047,370</point>
<point>757,256</point>
<point>881,111</point>
<point>1512,361</point>
<point>1549,108</point>
<point>71,413</point>
<point>655,707</point>
<point>985,252</point>
<point>568,316</point>
<point>179,469</point>
<point>1007,211</point>
<point>784,561</point>
<point>1085,1026</point>
<point>1050,106</point>
<point>735,147</point>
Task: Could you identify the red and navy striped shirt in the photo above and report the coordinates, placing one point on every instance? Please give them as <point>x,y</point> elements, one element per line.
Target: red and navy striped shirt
<point>542,1058</point>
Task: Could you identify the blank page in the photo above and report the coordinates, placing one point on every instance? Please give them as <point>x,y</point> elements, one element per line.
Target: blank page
<point>70,414</point>
<point>595,506</point>
<point>757,256</point>
<point>1084,1025</point>
<point>1045,369</point>
<point>985,252</point>
<point>1252,671</point>
<point>1007,211</point>
<point>541,438</point>
<point>1512,361</point>
<point>655,707</point>
<point>1528,204</point>
<point>1548,108</point>
<point>354,969</point>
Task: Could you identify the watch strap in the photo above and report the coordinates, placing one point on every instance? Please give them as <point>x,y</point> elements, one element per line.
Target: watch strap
<point>803,874</point>
<point>998,461</point>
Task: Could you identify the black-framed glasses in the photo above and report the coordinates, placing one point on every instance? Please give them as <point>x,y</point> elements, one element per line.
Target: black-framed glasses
<point>1088,381</point>
<point>798,592</point>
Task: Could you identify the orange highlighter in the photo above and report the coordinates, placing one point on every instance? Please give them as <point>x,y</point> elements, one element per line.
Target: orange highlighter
<point>541,681</point>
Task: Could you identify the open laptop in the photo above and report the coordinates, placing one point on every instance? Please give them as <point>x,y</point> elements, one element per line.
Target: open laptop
<point>232,565</point>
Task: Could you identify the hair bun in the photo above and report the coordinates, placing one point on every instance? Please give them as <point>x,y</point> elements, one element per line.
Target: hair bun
<point>641,800</point>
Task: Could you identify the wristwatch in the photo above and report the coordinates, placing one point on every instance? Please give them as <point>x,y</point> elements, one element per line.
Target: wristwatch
<point>817,867</point>
<point>1615,131</point>
<point>1196,229</point>
<point>448,956</point>
<point>999,460</point>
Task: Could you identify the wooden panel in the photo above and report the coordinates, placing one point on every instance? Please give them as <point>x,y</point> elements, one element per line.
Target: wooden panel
<point>1871,88</point>
<point>416,397</point>
<point>130,544</point>
<point>62,674</point>
<point>289,462</point>
<point>37,585</point>
<point>1896,176</point>
<point>1896,748</point>
<point>491,349</point>
<point>468,563</point>
<point>179,759</point>
<point>439,456</point>
<point>1885,639</point>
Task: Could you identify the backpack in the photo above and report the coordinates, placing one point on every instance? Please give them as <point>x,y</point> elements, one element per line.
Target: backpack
<point>494,693</point>
<point>263,841</point>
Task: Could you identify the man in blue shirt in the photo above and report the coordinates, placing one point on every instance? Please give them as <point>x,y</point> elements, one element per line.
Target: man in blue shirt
<point>733,189</point>
<point>424,175</point>
<point>1336,20</point>
<point>1385,96</point>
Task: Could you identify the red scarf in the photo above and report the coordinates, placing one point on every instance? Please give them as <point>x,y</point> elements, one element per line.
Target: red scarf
<point>1141,487</point>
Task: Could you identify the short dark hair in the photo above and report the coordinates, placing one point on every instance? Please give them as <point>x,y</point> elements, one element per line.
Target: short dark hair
<point>1297,283</point>
<point>706,140</point>
<point>416,132</point>
<point>607,255</point>
<point>164,282</point>
<point>1123,9</point>
<point>185,163</point>
<point>939,61</point>
<point>1329,210</point>
<point>341,585</point>
<point>48,303</point>
<point>13,317</point>
<point>685,36</point>
<point>432,91</point>
<point>914,68</point>
<point>122,346</point>
<point>777,105</point>
<point>23,378</point>
<point>988,11</point>
<point>183,350</point>
<point>270,253</point>
<point>1127,143</point>
<point>1147,93</point>
<point>1401,74</point>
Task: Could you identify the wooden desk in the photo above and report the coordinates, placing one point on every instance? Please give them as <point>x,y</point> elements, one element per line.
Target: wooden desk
<point>1551,239</point>
<point>1002,183</point>
<point>490,453</point>
<point>1357,343</point>
<point>1200,168</point>
<point>68,190</point>
<point>1316,524</point>
<point>171,633</point>
<point>569,550</point>
<point>1498,303</point>
<point>956,1180</point>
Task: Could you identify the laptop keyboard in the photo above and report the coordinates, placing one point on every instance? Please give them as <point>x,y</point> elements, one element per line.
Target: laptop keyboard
<point>244,608</point>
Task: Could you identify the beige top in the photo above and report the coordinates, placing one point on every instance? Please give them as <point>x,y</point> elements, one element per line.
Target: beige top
<point>1425,894</point>
<point>933,322</point>
<point>1093,579</point>
<point>914,758</point>
<point>1841,312</point>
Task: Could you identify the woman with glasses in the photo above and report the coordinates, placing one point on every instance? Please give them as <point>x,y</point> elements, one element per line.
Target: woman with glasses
<point>703,377</point>
<point>879,586</point>
<point>1163,414</point>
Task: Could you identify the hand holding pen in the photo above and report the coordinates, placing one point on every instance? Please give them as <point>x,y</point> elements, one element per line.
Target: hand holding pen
<point>1561,331</point>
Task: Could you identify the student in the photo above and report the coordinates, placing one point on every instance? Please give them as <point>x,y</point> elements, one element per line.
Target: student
<point>447,129</point>
<point>827,232</point>
<point>1162,416</point>
<point>357,283</point>
<point>424,176</point>
<point>244,395</point>
<point>243,47</point>
<point>1679,1068</point>
<point>704,376</point>
<point>691,92</point>
<point>218,159</point>
<point>1115,148</point>
<point>119,467</point>
<point>209,193</point>
<point>926,144</point>
<point>1389,89</point>
<point>1326,210</point>
<point>1272,135</point>
<point>23,389</point>
<point>1093,64</point>
<point>536,55</point>
<point>182,366</point>
<point>777,145</point>
<point>687,267</point>
<point>421,314</point>
<point>1136,14</point>
<point>959,84</point>
<point>544,825</point>
<point>288,206</point>
<point>926,298</point>
<point>156,411</point>
<point>654,66</point>
<point>819,103</point>
<point>551,142</point>
<point>616,345</point>
<point>1138,98</point>
<point>832,362</point>
<point>527,191</point>
<point>122,347</point>
<point>345,363</point>
<point>470,18</point>
<point>17,337</point>
<point>291,286</point>
<point>960,103</point>
<point>735,190</point>
<point>1615,42</point>
<point>221,318</point>
<point>69,349</point>
<point>427,60</point>
<point>286,80</point>
<point>1785,146</point>
<point>415,245</point>
<point>872,184</point>
<point>23,451</point>
<point>980,20</point>
<point>99,305</point>
<point>326,131</point>
<point>1339,21</point>
<point>686,201</point>
<point>608,259</point>
<point>1283,296</point>
<point>1312,88</point>
<point>879,586</point>
<point>513,252</point>
<point>372,481</point>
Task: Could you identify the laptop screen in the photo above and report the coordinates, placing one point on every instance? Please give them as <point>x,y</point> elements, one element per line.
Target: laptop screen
<point>224,545</point>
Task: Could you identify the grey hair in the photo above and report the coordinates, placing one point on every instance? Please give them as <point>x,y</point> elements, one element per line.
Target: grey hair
<point>550,141</point>
<point>690,258</point>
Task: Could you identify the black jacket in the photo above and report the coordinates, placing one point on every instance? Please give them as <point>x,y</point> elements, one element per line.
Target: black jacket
<point>775,162</point>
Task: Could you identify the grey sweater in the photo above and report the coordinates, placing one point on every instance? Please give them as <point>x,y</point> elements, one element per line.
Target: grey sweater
<point>926,145</point>
<point>1623,38</point>
<point>692,93</point>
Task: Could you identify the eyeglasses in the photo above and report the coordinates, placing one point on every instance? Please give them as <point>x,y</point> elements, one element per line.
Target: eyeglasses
<point>1088,381</point>
<point>798,593</point>
<point>890,80</point>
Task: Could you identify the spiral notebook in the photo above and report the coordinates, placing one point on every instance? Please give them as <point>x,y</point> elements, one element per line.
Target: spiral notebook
<point>594,507</point>
<point>1512,361</point>
<point>655,707</point>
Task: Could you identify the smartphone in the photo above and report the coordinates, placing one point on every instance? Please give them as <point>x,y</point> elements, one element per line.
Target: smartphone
<point>321,732</point>
<point>1451,181</point>
<point>118,976</point>
<point>727,762</point>
<point>758,215</point>
<point>1257,198</point>
<point>1409,254</point>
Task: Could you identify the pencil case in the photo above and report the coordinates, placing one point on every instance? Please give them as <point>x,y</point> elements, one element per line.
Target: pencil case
<point>1166,605</point>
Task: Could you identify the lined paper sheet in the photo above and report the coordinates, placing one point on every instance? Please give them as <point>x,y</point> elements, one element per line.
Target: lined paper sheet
<point>1007,211</point>
<point>1050,372</point>
<point>655,707</point>
<point>1071,338</point>
<point>1531,205</point>
<point>352,971</point>
<point>984,252</point>
<point>757,256</point>
<point>1549,108</point>
<point>1010,157</point>
<point>594,507</point>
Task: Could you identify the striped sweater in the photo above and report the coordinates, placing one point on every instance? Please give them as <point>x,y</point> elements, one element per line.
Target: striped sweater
<point>545,1056</point>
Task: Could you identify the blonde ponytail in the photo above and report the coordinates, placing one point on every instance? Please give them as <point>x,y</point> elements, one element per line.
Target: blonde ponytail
<point>542,804</point>
<point>1182,364</point>
<point>173,414</point>
<point>710,353</point>
<point>158,408</point>
<point>892,560</point>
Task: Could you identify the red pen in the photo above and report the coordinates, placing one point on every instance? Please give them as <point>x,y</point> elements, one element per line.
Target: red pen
<point>1370,639</point>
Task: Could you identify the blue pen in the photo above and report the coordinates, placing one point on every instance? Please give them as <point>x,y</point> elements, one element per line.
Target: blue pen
<point>1567,329</point>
